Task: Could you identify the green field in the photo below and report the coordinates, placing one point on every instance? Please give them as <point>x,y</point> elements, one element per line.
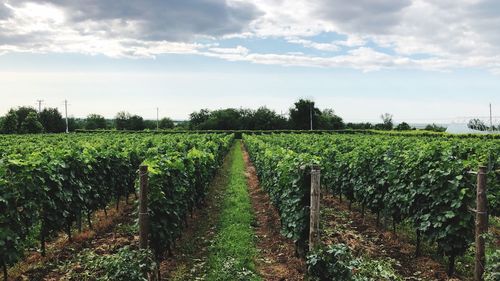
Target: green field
<point>420,187</point>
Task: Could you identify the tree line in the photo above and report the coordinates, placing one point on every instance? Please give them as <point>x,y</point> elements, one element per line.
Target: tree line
<point>303,115</point>
<point>27,120</point>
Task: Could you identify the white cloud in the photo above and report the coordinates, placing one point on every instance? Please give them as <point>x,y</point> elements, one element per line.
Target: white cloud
<point>448,34</point>
<point>453,33</point>
<point>363,58</point>
<point>238,50</point>
<point>330,47</point>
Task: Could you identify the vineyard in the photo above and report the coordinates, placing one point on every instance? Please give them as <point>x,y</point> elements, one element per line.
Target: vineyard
<point>421,180</point>
<point>52,183</point>
<point>423,186</point>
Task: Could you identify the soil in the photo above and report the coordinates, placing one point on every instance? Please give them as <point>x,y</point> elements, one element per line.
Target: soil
<point>188,258</point>
<point>340,225</point>
<point>102,238</point>
<point>277,254</point>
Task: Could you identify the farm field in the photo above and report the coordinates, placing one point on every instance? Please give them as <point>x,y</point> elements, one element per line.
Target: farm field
<point>393,207</point>
<point>421,184</point>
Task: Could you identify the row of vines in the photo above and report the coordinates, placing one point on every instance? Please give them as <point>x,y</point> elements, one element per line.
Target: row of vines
<point>426,181</point>
<point>50,184</point>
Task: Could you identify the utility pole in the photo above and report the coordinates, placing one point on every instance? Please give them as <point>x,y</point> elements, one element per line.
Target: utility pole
<point>311,115</point>
<point>39,105</point>
<point>491,120</point>
<point>481,223</point>
<point>157,118</point>
<point>66,112</point>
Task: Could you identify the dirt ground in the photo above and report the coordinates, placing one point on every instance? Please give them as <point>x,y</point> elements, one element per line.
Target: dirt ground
<point>339,224</point>
<point>277,261</point>
<point>103,238</point>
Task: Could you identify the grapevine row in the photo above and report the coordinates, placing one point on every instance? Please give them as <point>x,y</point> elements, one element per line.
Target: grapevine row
<point>425,181</point>
<point>50,183</point>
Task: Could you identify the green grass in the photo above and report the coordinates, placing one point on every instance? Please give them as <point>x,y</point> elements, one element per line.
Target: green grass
<point>233,251</point>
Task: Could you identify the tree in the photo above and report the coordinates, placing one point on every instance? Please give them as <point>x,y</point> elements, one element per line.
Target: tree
<point>9,125</point>
<point>435,128</point>
<point>300,115</point>
<point>122,120</point>
<point>359,126</point>
<point>95,122</point>
<point>223,119</point>
<point>136,123</point>
<point>31,124</point>
<point>150,124</point>
<point>182,126</point>
<point>198,118</point>
<point>265,119</point>
<point>166,123</point>
<point>477,124</point>
<point>22,112</point>
<point>329,121</point>
<point>52,120</point>
<point>75,124</point>
<point>387,123</point>
<point>403,127</point>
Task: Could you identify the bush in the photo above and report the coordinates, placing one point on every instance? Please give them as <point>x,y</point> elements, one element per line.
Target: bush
<point>372,269</point>
<point>334,262</point>
<point>492,270</point>
<point>125,265</point>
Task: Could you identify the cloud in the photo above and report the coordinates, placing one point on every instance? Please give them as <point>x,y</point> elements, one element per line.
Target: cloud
<point>119,28</point>
<point>330,47</point>
<point>362,58</point>
<point>379,34</point>
<point>238,50</point>
<point>363,16</point>
<point>158,20</point>
<point>4,11</point>
<point>450,33</point>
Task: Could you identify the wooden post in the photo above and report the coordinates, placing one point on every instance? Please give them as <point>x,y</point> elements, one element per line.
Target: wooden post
<point>143,207</point>
<point>314,210</point>
<point>481,223</point>
<point>5,272</point>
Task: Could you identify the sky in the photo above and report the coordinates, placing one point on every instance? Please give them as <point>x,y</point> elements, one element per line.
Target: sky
<point>420,60</point>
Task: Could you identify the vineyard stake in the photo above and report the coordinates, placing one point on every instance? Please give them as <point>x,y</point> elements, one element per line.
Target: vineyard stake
<point>314,211</point>
<point>481,223</point>
<point>143,207</point>
<point>5,272</point>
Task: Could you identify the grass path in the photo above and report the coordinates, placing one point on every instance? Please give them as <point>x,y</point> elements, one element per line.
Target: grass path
<point>219,243</point>
<point>233,251</point>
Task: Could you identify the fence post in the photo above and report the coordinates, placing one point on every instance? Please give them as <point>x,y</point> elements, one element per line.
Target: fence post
<point>143,207</point>
<point>314,210</point>
<point>481,223</point>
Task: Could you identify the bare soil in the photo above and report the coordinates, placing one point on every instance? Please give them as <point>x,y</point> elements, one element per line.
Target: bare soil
<point>103,238</point>
<point>340,225</point>
<point>277,260</point>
